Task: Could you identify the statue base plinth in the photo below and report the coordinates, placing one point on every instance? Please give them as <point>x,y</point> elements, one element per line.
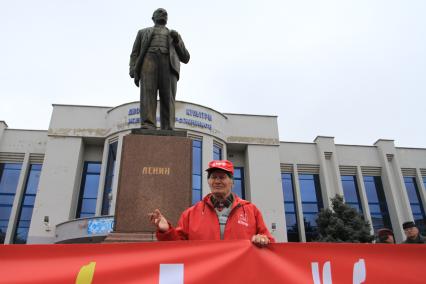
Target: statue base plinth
<point>159,132</point>
<point>155,173</point>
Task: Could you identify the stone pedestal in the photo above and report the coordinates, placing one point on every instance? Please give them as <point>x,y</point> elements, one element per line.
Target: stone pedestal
<point>155,172</point>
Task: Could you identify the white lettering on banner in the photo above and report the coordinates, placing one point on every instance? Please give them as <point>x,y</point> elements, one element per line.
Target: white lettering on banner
<point>326,273</point>
<point>360,273</point>
<point>171,273</point>
<point>358,276</point>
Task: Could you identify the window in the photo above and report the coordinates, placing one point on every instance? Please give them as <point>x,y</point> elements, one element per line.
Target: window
<point>9,176</point>
<point>290,207</point>
<point>27,205</point>
<point>217,152</point>
<point>377,203</point>
<point>109,177</point>
<point>415,203</point>
<point>310,193</point>
<point>351,192</point>
<point>238,187</point>
<point>197,146</point>
<point>88,190</point>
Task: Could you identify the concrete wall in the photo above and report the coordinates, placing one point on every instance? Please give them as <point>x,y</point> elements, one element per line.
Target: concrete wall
<point>351,155</point>
<point>252,129</point>
<point>411,158</point>
<point>93,153</point>
<point>22,141</point>
<point>58,187</point>
<point>82,121</point>
<point>298,153</point>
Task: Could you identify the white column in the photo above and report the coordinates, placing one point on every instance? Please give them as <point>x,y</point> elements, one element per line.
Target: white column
<point>329,169</point>
<point>116,174</point>
<point>264,176</point>
<point>3,126</point>
<point>394,187</point>
<point>207,156</point>
<point>58,187</point>
<point>421,187</point>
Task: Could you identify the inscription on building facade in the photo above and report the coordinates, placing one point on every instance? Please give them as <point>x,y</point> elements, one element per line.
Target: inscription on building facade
<point>156,171</point>
<point>206,118</point>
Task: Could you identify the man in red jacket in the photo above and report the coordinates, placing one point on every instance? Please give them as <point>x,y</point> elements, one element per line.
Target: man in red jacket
<point>221,215</point>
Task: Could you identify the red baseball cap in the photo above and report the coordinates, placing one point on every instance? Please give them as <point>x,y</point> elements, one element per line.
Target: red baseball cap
<point>223,165</point>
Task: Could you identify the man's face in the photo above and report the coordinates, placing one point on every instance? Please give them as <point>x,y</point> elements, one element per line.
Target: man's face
<point>411,233</point>
<point>160,16</point>
<point>220,184</point>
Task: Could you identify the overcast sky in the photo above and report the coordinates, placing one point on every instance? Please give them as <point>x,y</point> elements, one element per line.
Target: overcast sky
<point>355,70</point>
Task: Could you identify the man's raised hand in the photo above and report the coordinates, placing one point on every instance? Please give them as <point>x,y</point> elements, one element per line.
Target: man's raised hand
<point>158,220</point>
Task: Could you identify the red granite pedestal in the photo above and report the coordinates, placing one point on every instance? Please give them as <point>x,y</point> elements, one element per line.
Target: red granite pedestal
<point>155,172</point>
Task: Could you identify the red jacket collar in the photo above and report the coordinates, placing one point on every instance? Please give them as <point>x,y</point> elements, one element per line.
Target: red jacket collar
<point>237,201</point>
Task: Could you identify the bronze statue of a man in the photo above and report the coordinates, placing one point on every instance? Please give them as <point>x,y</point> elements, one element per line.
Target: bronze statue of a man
<point>155,65</point>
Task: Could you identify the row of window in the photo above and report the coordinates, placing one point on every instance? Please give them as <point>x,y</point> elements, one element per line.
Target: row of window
<point>9,177</point>
<point>310,195</point>
<point>90,182</point>
<point>311,200</point>
<point>415,202</point>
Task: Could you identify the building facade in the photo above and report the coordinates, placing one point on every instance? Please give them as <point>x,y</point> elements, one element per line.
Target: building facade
<point>60,185</point>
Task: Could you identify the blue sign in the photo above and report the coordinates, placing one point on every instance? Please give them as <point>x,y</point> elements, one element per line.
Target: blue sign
<point>100,226</point>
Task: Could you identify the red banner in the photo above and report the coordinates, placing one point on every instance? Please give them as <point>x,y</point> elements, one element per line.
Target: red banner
<point>212,262</point>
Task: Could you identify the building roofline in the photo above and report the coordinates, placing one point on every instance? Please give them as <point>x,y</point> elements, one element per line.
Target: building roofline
<point>247,114</point>
<point>313,143</point>
<point>16,129</point>
<point>296,142</point>
<point>324,136</point>
<point>4,123</point>
<point>79,106</point>
<point>381,139</point>
<point>128,103</point>
<point>410,148</point>
<point>355,145</point>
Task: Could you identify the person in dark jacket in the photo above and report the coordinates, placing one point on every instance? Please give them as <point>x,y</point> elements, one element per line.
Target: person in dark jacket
<point>221,215</point>
<point>412,233</point>
<point>385,236</point>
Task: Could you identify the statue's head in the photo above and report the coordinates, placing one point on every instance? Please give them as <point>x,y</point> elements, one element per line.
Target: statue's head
<point>160,16</point>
